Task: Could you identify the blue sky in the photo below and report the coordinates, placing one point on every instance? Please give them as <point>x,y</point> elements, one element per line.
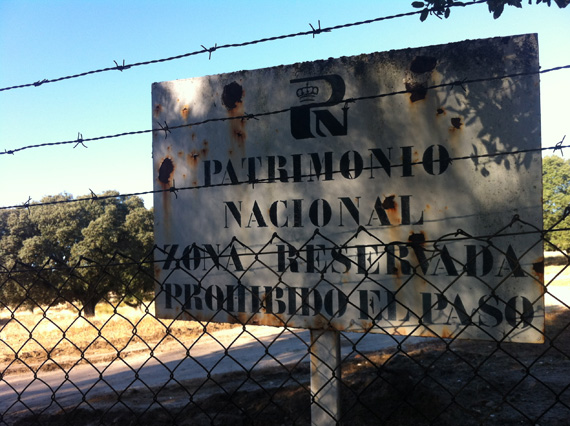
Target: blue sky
<point>49,39</point>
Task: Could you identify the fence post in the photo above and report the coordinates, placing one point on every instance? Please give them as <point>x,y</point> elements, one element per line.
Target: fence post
<point>325,377</point>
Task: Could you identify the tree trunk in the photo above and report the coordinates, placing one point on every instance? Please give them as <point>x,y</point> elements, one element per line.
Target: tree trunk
<point>89,307</point>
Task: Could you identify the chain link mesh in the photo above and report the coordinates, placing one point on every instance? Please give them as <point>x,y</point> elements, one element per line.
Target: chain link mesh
<point>60,365</point>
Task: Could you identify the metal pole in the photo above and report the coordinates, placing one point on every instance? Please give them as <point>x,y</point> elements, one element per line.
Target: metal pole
<point>325,377</point>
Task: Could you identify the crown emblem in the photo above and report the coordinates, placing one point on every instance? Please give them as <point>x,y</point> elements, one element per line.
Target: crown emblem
<point>307,93</point>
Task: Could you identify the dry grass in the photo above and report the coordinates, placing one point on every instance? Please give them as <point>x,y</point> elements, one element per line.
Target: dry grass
<point>557,275</point>
<point>40,339</point>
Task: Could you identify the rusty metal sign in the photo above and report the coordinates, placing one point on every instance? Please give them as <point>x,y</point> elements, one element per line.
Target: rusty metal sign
<point>395,192</point>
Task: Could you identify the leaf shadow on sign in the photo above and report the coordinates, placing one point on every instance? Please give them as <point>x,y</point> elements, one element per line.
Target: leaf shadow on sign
<point>505,111</point>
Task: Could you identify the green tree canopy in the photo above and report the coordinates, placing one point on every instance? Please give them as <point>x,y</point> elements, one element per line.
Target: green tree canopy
<point>64,249</point>
<point>556,198</point>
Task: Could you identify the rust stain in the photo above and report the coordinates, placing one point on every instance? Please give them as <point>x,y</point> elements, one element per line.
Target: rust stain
<point>446,333</point>
<point>391,207</point>
<point>396,271</point>
<point>239,135</point>
<point>157,271</point>
<point>400,332</point>
<point>193,158</point>
<point>205,148</point>
<point>184,112</point>
<point>427,333</point>
<point>165,171</point>
<point>157,110</point>
<point>322,323</point>
<point>538,269</point>
<point>243,318</point>
<point>232,98</point>
<point>389,203</point>
<point>272,320</point>
<point>232,95</point>
<point>193,137</point>
<point>456,124</point>
<point>418,91</point>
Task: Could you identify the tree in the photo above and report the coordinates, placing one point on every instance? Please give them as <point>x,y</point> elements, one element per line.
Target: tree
<point>78,251</point>
<point>556,198</point>
<point>16,287</point>
<point>441,8</point>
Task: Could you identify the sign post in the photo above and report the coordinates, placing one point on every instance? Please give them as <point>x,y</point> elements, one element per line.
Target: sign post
<point>325,377</point>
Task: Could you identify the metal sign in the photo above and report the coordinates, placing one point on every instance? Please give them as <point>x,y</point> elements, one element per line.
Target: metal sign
<point>369,193</point>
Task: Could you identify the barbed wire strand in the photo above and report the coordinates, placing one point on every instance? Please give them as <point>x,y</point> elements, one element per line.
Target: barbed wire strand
<point>209,51</point>
<point>173,189</point>
<point>168,129</point>
<point>54,264</point>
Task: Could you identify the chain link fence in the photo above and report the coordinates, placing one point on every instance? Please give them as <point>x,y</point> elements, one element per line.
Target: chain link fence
<point>125,365</point>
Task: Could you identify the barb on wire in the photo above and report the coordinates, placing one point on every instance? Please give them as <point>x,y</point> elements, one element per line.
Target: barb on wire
<point>173,189</point>
<point>248,117</point>
<point>460,84</point>
<point>312,32</point>
<point>94,196</point>
<point>79,141</point>
<point>39,83</point>
<point>559,146</point>
<point>348,101</point>
<point>26,205</point>
<point>319,30</point>
<point>121,67</point>
<point>210,50</point>
<point>165,128</point>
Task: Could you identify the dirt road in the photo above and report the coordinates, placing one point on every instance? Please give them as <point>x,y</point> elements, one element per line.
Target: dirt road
<point>224,352</point>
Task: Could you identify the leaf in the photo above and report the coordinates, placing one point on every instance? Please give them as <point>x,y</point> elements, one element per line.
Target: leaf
<point>418,4</point>
<point>498,11</point>
<point>424,15</point>
<point>447,12</point>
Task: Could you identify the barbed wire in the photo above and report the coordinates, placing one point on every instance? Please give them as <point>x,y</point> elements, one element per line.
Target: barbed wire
<point>173,189</point>
<point>314,31</point>
<point>168,129</point>
<point>53,264</point>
